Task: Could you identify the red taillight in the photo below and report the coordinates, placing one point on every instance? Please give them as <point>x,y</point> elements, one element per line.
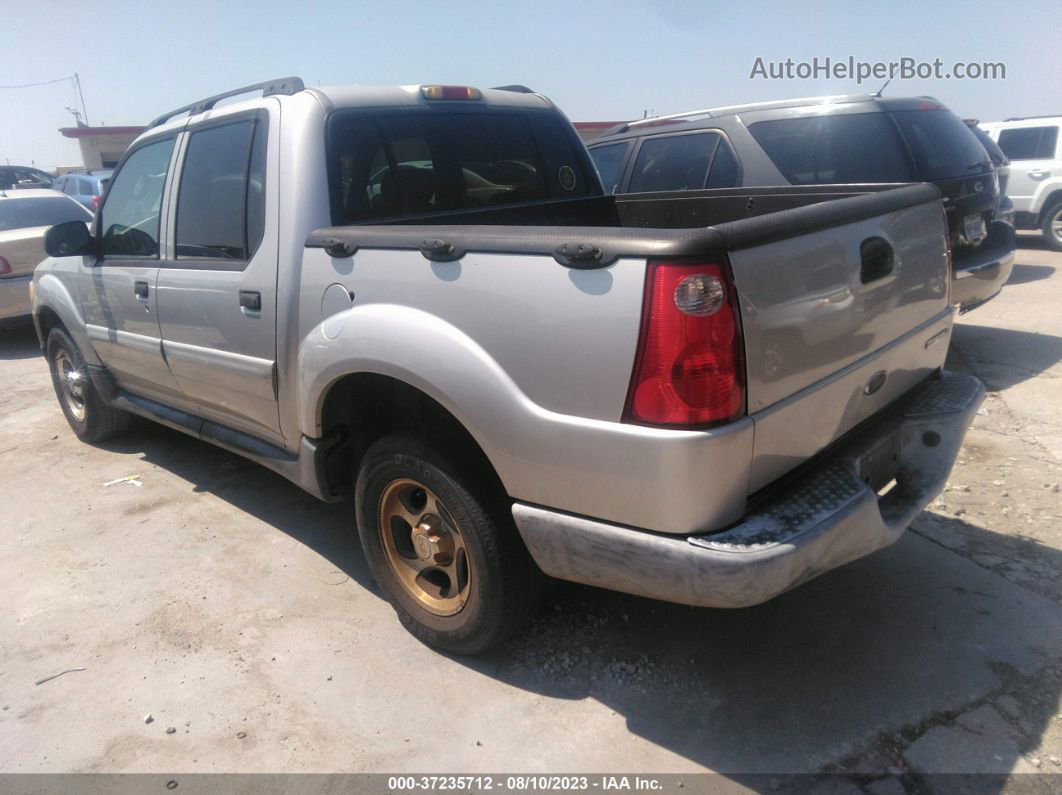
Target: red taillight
<point>5,266</point>
<point>96,202</point>
<point>689,370</point>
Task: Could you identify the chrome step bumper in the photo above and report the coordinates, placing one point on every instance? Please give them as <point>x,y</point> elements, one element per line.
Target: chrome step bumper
<point>827,517</point>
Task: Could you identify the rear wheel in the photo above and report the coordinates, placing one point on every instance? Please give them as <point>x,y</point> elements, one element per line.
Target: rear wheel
<point>1052,227</point>
<point>443,547</point>
<point>91,419</point>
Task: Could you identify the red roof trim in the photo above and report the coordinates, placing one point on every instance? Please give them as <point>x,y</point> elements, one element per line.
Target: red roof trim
<point>82,132</point>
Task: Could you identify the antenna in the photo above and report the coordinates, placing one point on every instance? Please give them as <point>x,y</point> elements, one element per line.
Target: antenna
<point>878,92</point>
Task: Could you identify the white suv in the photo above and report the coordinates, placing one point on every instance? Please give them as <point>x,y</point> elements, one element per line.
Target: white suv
<point>1035,183</point>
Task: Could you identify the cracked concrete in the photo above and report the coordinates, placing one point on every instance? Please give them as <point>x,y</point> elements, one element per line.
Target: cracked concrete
<point>235,609</point>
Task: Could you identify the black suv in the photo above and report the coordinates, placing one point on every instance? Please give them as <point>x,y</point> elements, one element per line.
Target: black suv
<point>849,140</point>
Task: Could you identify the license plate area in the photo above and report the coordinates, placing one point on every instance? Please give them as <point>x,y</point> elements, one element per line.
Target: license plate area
<point>878,466</point>
<point>975,229</point>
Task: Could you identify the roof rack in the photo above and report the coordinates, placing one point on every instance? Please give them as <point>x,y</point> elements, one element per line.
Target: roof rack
<point>282,85</point>
<point>519,89</point>
<point>1029,118</point>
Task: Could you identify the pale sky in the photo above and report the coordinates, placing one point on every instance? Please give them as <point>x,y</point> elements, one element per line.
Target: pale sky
<point>597,60</point>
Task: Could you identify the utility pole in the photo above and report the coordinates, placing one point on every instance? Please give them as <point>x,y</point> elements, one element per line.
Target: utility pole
<point>77,81</point>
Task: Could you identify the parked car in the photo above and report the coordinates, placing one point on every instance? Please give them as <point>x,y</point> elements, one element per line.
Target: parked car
<point>509,372</point>
<point>852,139</point>
<point>85,187</point>
<point>12,177</point>
<point>25,216</point>
<point>1001,163</point>
<point>1035,185</point>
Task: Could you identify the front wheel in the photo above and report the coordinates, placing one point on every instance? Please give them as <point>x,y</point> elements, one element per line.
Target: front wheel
<point>443,547</point>
<point>91,419</point>
<point>1052,227</point>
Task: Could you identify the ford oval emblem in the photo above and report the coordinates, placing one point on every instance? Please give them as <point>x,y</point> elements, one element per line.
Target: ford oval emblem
<point>876,382</point>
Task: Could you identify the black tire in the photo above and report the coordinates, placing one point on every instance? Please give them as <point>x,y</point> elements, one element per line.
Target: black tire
<point>1051,228</point>
<point>504,584</point>
<point>91,419</point>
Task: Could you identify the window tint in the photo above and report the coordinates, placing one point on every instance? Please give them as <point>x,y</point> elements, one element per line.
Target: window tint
<point>428,163</point>
<point>1029,143</point>
<point>724,173</point>
<point>942,145</point>
<point>45,211</point>
<point>608,160</point>
<point>846,148</point>
<point>220,181</point>
<point>130,217</point>
<point>673,162</point>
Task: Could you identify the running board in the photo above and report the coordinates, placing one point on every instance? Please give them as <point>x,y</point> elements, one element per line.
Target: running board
<point>306,469</point>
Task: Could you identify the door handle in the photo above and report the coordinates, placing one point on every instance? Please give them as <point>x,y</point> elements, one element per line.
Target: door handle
<point>140,289</point>
<point>250,299</point>
<point>1038,173</point>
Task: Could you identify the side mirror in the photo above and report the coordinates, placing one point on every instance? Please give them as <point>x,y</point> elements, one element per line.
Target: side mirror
<point>70,239</point>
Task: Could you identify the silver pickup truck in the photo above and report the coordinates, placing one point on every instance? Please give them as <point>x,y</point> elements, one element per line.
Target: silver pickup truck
<point>418,298</point>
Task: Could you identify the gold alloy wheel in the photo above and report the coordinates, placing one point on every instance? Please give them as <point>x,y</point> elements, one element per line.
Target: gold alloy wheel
<point>71,382</point>
<point>424,547</point>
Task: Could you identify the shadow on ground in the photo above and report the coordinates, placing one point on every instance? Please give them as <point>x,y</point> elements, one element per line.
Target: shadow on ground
<point>1002,357</point>
<point>890,641</point>
<point>18,340</point>
<point>1023,274</point>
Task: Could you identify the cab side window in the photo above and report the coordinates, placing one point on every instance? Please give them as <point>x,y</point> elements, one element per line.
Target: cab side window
<point>130,218</point>
<point>674,162</point>
<point>220,204</point>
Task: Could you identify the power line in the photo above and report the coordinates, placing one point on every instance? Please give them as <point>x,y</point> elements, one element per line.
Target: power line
<point>74,81</point>
<point>42,83</point>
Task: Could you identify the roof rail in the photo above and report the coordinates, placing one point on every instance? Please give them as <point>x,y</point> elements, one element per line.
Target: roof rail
<point>282,85</point>
<point>519,89</point>
<point>1029,118</point>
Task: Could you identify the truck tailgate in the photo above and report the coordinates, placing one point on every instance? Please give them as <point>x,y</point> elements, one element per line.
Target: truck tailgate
<point>840,320</point>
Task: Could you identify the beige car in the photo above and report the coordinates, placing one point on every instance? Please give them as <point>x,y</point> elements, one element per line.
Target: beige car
<point>25,216</point>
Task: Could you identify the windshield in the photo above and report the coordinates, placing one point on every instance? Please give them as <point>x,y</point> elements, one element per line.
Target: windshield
<point>942,145</point>
<point>37,211</point>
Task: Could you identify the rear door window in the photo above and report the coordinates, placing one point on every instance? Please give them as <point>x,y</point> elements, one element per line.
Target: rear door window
<point>942,145</point>
<point>1029,143</point>
<point>674,162</point>
<point>609,160</point>
<point>416,164</point>
<point>836,148</point>
<point>219,202</point>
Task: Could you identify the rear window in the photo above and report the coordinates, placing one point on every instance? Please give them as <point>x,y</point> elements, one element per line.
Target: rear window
<point>44,211</point>
<point>415,164</point>
<point>1029,143</point>
<point>839,148</point>
<point>942,145</point>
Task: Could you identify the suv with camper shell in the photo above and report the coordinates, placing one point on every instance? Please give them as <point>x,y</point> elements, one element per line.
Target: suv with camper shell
<point>419,299</point>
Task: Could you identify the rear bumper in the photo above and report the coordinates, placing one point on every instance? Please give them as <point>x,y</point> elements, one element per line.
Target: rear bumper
<point>14,296</point>
<point>979,276</point>
<point>824,519</point>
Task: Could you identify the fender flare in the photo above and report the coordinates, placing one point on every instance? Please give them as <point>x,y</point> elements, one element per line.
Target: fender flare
<point>50,292</point>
